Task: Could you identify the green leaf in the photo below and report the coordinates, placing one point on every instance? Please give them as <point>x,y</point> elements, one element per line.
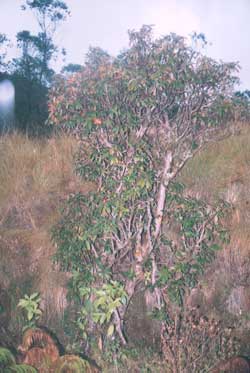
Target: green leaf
<point>111,330</point>
<point>103,318</point>
<point>124,300</point>
<point>33,296</point>
<point>215,247</point>
<point>22,303</point>
<point>30,315</point>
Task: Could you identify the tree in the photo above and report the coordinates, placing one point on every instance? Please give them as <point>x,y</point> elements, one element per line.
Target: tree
<point>3,44</point>
<point>28,66</point>
<point>71,68</point>
<point>32,73</point>
<point>140,117</point>
<point>37,51</point>
<point>49,14</point>
<point>97,57</point>
<point>31,93</point>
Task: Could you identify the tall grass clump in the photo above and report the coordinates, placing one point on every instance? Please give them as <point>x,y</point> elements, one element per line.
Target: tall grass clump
<point>30,166</point>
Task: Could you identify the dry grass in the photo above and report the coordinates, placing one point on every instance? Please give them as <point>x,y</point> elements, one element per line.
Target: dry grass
<point>30,167</point>
<point>35,177</point>
<point>221,164</point>
<point>222,171</point>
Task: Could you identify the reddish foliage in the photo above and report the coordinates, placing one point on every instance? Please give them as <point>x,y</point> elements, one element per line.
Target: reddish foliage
<point>234,365</point>
<point>38,349</point>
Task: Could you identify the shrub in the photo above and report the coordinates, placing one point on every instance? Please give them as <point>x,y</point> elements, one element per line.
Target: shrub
<point>194,343</point>
<point>139,118</point>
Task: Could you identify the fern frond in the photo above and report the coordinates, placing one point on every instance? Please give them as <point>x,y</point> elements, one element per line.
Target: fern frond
<point>6,358</point>
<point>72,363</point>
<point>21,368</point>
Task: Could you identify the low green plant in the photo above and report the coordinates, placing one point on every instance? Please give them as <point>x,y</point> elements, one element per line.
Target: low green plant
<point>20,368</point>
<point>8,363</point>
<point>101,304</point>
<point>6,358</point>
<point>31,306</point>
<point>114,354</point>
<point>199,234</point>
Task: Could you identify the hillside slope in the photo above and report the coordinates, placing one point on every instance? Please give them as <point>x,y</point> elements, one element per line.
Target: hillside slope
<point>222,171</point>
<point>37,176</point>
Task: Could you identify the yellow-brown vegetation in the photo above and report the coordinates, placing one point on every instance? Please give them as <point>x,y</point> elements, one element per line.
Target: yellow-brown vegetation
<point>222,171</point>
<point>41,352</point>
<point>39,338</point>
<point>73,364</point>
<point>35,177</point>
<point>39,359</point>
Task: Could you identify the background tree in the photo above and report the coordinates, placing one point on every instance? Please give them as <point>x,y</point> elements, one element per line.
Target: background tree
<point>31,93</point>
<point>27,65</point>
<point>140,117</point>
<point>71,68</point>
<point>31,72</point>
<point>49,14</point>
<point>97,57</point>
<point>3,45</point>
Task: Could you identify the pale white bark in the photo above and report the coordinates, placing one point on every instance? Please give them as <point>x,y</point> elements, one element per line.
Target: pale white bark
<point>166,177</point>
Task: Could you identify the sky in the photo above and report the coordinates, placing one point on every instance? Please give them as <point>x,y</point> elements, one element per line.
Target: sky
<point>104,23</point>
